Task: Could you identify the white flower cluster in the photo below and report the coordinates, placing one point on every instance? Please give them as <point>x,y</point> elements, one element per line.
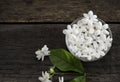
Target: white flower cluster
<point>43,52</point>
<point>46,77</point>
<point>88,39</point>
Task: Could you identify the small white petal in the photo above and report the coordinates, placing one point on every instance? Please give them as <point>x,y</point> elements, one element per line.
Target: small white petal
<point>90,24</point>
<point>91,30</point>
<point>102,53</point>
<point>42,58</point>
<point>103,37</point>
<point>61,79</point>
<point>95,20</point>
<point>85,15</point>
<point>95,45</point>
<point>98,25</point>
<point>105,32</point>
<point>44,48</point>
<point>78,54</point>
<point>38,52</point>
<point>97,55</point>
<point>75,26</point>
<point>95,16</point>
<point>98,32</point>
<point>69,27</point>
<point>89,57</point>
<point>90,13</point>
<point>105,26</point>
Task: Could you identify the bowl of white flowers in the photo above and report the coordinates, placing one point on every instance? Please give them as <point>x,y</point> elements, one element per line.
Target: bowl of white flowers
<point>88,38</point>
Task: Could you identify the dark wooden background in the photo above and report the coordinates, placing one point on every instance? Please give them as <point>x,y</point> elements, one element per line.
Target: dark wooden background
<point>27,25</point>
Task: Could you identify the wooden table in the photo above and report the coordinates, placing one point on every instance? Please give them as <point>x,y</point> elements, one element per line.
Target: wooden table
<point>27,25</point>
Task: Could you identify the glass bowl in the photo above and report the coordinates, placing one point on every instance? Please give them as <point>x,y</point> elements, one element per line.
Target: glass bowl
<point>85,59</point>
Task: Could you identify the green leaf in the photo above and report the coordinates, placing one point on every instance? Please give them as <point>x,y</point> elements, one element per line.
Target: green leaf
<point>65,61</point>
<point>79,79</point>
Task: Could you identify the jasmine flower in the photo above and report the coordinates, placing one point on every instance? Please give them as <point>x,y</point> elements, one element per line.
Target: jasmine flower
<point>45,77</point>
<point>90,16</point>
<point>68,31</point>
<point>42,52</point>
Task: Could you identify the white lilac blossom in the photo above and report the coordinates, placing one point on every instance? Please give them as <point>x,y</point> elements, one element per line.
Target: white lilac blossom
<point>61,79</point>
<point>42,52</point>
<point>45,77</point>
<point>89,38</point>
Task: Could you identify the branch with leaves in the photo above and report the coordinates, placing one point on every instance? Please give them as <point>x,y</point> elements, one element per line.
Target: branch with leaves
<point>62,60</point>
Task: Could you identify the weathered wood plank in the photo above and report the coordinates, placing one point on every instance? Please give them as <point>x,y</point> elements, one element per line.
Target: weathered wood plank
<point>57,11</point>
<point>34,78</point>
<point>18,42</point>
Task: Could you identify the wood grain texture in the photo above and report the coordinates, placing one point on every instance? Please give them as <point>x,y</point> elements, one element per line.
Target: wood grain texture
<point>57,10</point>
<point>18,63</point>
